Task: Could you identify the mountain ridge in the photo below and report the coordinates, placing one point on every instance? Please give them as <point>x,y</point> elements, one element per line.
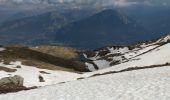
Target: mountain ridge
<point>107,26</point>
<point>55,28</point>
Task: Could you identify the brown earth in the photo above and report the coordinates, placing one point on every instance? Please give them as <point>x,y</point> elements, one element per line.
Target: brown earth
<point>7,69</point>
<point>43,58</point>
<point>58,51</point>
<point>8,88</point>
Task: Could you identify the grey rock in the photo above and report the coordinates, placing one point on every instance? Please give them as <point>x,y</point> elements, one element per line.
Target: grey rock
<point>15,80</point>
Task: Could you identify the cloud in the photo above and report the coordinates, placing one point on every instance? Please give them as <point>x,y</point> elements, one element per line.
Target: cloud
<point>117,3</point>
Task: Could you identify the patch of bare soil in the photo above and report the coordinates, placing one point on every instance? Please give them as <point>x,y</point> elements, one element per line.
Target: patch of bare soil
<point>44,65</point>
<point>42,60</point>
<point>7,69</point>
<point>8,88</point>
<point>43,72</point>
<point>58,51</point>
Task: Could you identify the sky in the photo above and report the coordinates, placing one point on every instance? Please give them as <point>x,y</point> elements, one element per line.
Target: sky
<point>119,3</point>
<point>11,5</point>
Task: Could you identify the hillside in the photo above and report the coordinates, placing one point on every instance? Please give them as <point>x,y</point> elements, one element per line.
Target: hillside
<point>143,74</point>
<point>128,55</point>
<point>23,68</point>
<point>150,84</point>
<point>111,64</point>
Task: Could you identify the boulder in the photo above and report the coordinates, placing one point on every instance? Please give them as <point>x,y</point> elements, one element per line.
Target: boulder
<point>12,84</point>
<point>15,80</point>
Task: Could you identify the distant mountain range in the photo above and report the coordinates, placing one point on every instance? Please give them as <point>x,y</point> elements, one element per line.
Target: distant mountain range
<point>104,28</point>
<point>37,29</point>
<point>84,28</point>
<point>81,29</point>
<point>154,19</point>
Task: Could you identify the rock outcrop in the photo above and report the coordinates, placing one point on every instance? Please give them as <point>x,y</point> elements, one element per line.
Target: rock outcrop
<point>15,80</point>
<point>11,84</point>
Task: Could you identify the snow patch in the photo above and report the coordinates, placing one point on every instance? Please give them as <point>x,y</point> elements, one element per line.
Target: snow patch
<point>2,49</point>
<point>147,84</point>
<point>31,75</point>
